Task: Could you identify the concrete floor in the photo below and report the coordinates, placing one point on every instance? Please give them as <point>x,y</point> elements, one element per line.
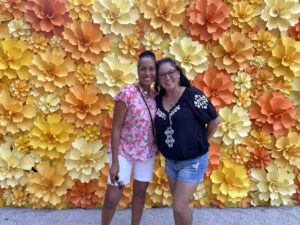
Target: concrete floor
<point>158,216</point>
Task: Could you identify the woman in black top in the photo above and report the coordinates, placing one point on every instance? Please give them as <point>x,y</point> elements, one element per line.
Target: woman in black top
<point>185,121</point>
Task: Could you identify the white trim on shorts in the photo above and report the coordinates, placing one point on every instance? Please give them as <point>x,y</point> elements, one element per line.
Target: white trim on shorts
<point>142,170</point>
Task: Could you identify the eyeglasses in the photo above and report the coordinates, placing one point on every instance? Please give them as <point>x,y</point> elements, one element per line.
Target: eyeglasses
<point>170,74</point>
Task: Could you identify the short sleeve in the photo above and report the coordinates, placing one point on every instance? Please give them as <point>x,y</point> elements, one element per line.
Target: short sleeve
<point>201,105</point>
<point>123,96</point>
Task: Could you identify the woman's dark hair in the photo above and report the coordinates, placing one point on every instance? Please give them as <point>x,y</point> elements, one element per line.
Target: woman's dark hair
<point>183,80</point>
<point>144,54</point>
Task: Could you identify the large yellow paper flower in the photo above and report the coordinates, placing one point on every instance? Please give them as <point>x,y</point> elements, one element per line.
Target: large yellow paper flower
<point>85,41</point>
<point>52,70</point>
<point>117,17</point>
<point>287,151</point>
<point>285,59</point>
<point>50,183</point>
<point>152,40</point>
<point>17,197</point>
<point>14,115</point>
<point>51,136</point>
<point>234,52</point>
<point>244,15</point>
<point>158,190</point>
<point>190,54</point>
<point>280,14</point>
<point>80,9</point>
<point>82,105</point>
<point>13,165</point>
<point>115,72</point>
<point>230,182</point>
<point>274,185</point>
<point>85,160</point>
<point>15,58</point>
<point>235,125</point>
<point>165,14</point>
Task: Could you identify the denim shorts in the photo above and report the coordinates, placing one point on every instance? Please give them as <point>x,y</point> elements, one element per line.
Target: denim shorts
<point>188,171</point>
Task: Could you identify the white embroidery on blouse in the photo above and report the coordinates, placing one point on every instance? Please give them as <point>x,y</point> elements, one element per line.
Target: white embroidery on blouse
<point>161,114</point>
<point>200,101</point>
<point>169,131</point>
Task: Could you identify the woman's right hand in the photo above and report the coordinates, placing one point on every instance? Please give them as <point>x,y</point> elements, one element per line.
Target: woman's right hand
<point>113,172</point>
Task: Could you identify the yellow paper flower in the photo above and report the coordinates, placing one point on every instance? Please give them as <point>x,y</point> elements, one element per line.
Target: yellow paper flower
<point>152,40</point>
<point>233,52</point>
<point>242,81</point>
<point>51,136</point>
<point>164,14</point>
<point>14,59</point>
<point>129,46</point>
<point>14,115</point>
<point>22,143</point>
<point>158,190</point>
<point>80,9</point>
<point>262,81</point>
<point>261,139</point>
<point>235,125</point>
<point>19,89</point>
<point>274,185</point>
<point>287,151</point>
<point>52,70</point>
<point>115,72</point>
<point>238,154</point>
<point>89,133</point>
<point>280,14</point>
<point>230,182</point>
<point>85,159</point>
<point>86,73</point>
<point>117,17</point>
<point>13,165</point>
<point>50,183</point>
<point>82,105</point>
<point>190,54</point>
<point>244,15</point>
<point>18,28</point>
<point>243,98</point>
<point>38,42</point>
<point>49,103</point>
<point>285,59</point>
<point>263,41</point>
<point>295,94</point>
<point>17,197</point>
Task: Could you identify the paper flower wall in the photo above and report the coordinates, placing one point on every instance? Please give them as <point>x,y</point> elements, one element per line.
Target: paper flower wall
<point>63,61</point>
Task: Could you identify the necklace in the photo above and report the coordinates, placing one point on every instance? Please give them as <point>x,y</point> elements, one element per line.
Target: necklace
<point>144,92</point>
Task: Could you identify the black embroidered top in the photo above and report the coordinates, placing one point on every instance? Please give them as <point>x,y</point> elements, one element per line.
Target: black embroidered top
<point>181,132</point>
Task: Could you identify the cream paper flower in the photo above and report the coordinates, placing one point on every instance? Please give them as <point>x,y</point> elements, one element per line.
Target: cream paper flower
<point>115,72</point>
<point>281,15</point>
<point>235,125</point>
<point>85,160</point>
<point>115,16</point>
<point>190,54</point>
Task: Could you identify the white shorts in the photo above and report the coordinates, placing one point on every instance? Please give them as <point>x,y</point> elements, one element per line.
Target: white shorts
<point>142,170</point>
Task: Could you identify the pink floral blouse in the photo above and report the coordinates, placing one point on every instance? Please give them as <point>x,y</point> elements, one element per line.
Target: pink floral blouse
<point>136,140</point>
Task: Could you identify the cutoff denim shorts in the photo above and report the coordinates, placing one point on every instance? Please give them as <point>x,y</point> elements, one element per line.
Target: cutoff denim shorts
<point>188,171</point>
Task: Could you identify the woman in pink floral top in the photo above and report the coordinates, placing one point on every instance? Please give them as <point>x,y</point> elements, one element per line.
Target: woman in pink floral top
<point>132,143</point>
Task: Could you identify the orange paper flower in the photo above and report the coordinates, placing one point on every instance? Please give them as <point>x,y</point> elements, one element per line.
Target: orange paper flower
<point>294,31</point>
<point>10,9</point>
<point>214,158</point>
<point>47,16</point>
<point>84,40</point>
<point>207,19</point>
<point>82,195</point>
<point>82,106</point>
<point>274,113</point>
<point>216,85</point>
<point>259,158</point>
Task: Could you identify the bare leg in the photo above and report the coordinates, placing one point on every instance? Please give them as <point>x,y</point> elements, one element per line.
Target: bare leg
<point>112,197</point>
<point>181,198</point>
<point>138,201</point>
